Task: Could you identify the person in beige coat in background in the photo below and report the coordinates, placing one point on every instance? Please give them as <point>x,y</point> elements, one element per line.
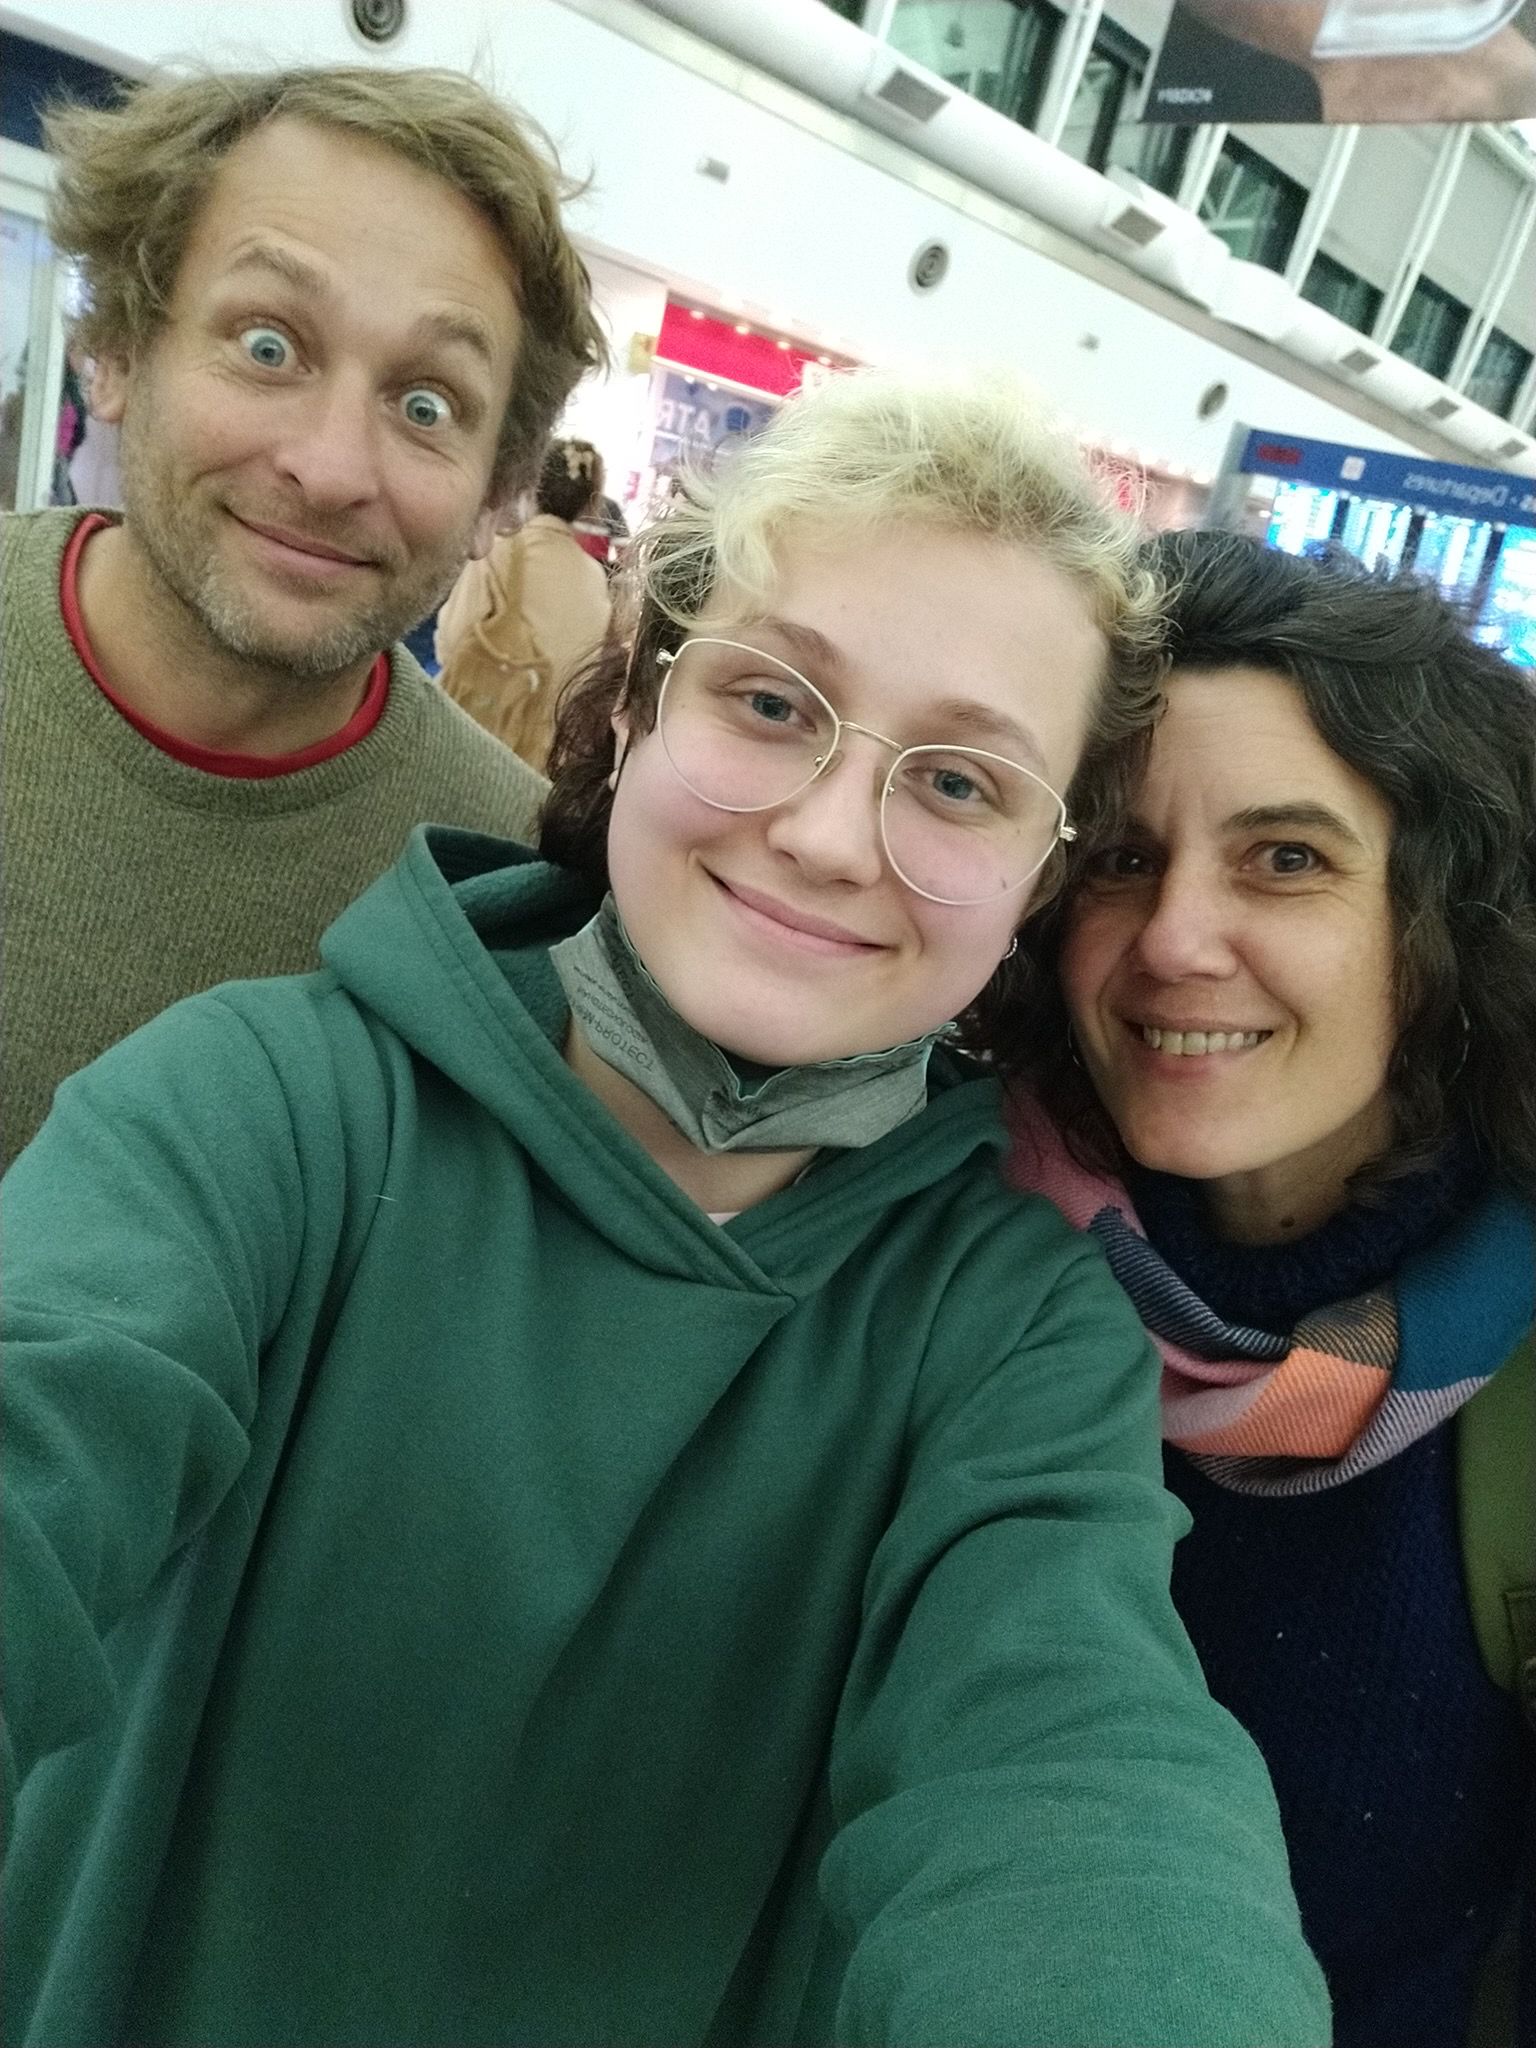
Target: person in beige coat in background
<point>519,624</point>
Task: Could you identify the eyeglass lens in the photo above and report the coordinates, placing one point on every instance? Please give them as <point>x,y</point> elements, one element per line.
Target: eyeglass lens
<point>746,733</point>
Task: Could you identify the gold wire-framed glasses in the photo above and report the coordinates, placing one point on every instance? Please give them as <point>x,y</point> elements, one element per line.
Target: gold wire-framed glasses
<point>746,732</point>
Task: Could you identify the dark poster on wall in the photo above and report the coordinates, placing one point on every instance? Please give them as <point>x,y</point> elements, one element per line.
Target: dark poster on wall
<point>1346,60</point>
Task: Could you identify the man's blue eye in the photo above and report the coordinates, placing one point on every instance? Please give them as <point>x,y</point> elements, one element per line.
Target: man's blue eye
<point>264,345</point>
<point>425,408</point>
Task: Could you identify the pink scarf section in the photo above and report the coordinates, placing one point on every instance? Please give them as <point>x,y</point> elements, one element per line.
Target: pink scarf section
<point>1303,1406</point>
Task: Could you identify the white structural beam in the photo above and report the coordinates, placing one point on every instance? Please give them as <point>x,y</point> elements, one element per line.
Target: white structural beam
<point>1321,201</point>
<point>1522,413</point>
<point>1200,163</point>
<point>1438,188</point>
<point>1505,146</point>
<point>1074,47</point>
<point>1490,301</point>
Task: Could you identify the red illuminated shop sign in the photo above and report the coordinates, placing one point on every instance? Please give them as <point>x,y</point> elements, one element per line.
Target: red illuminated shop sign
<point>736,353</point>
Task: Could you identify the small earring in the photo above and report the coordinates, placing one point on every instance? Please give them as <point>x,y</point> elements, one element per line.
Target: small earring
<point>1072,1052</point>
<point>1013,947</point>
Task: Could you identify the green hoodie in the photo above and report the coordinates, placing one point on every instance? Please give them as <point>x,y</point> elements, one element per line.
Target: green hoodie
<point>464,1598</point>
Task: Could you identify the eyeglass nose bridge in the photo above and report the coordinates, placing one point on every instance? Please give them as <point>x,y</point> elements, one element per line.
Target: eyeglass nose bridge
<point>847,725</point>
<point>1065,833</point>
<point>830,758</point>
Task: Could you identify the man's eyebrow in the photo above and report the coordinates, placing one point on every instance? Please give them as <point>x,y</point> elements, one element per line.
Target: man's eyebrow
<point>458,330</point>
<point>454,329</point>
<point>1302,816</point>
<point>283,263</point>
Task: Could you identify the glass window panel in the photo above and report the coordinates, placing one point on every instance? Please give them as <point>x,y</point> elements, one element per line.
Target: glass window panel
<point>1375,530</point>
<point>998,51</point>
<point>1430,328</point>
<point>1302,518</point>
<point>1095,109</point>
<point>1508,620</point>
<point>1339,291</point>
<point>1253,208</point>
<point>26,270</point>
<point>1500,371</point>
<point>1154,151</point>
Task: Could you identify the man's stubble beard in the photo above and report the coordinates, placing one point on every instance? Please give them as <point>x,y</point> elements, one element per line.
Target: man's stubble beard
<point>173,531</point>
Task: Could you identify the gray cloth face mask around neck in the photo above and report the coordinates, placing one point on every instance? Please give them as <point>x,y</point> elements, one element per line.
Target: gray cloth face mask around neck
<point>632,1027</point>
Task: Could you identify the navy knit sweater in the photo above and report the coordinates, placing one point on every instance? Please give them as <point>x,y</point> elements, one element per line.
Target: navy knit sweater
<point>1335,1627</point>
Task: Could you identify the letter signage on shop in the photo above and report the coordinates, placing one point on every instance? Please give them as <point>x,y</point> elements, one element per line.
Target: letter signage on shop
<point>1492,494</point>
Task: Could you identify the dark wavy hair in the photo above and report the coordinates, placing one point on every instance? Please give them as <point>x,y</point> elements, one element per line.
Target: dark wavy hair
<point>571,477</point>
<point>1445,731</point>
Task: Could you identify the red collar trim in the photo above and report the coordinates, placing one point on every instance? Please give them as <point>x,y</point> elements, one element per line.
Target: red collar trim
<point>212,760</point>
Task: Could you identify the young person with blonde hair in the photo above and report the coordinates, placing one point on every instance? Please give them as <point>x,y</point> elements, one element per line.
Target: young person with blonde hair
<point>334,314</point>
<point>554,1494</point>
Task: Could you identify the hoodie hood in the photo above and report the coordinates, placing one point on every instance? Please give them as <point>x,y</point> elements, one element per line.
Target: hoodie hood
<point>449,951</point>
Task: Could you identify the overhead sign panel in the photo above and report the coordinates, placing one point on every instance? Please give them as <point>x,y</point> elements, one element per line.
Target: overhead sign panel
<point>1414,480</point>
<point>1346,60</point>
<point>1469,532</point>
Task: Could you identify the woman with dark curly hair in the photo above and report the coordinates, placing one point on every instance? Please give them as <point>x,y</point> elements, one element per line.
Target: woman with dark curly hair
<point>1279,1048</point>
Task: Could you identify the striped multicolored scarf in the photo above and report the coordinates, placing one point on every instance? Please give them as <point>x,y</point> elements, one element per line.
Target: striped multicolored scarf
<point>1353,1384</point>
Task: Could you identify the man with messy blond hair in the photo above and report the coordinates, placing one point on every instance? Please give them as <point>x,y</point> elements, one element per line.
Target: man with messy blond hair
<point>334,314</point>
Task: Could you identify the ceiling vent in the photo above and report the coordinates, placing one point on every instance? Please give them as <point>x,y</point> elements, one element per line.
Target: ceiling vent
<point>908,93</point>
<point>1358,360</point>
<point>929,267</point>
<point>1134,225</point>
<point>1442,408</point>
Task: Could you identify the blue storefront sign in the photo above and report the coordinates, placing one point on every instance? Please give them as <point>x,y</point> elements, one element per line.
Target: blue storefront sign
<point>1414,480</point>
<point>696,421</point>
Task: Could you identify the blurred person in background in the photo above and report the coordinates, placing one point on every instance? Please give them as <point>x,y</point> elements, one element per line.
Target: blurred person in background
<point>333,314</point>
<point>1292,1054</point>
<point>69,428</point>
<point>94,476</point>
<point>553,1494</point>
<point>525,617</point>
<point>604,532</point>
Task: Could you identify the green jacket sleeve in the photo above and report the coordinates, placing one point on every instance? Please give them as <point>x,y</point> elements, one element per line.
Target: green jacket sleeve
<point>1049,1834</point>
<point>151,1232</point>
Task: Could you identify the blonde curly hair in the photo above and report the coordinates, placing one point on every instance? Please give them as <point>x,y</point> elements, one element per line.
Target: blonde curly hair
<point>868,450</point>
<point>871,448</point>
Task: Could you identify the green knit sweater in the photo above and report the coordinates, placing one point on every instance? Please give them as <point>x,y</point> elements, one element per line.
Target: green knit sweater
<point>460,1597</point>
<point>132,880</point>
